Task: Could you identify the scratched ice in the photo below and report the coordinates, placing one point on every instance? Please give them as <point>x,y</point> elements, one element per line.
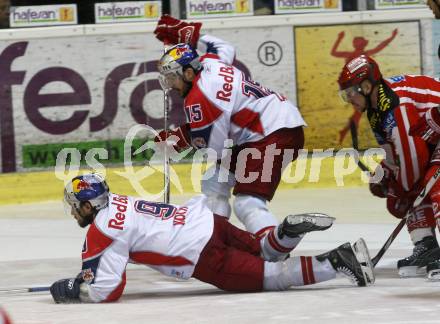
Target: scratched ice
<point>39,246</point>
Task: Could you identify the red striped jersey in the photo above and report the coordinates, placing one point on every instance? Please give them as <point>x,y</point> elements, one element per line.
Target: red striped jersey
<point>224,103</point>
<point>408,155</point>
<point>167,238</point>
<point>416,91</point>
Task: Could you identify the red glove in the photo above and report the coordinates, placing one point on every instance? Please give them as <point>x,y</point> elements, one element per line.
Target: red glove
<point>182,134</point>
<point>399,202</point>
<point>175,31</point>
<point>381,189</point>
<point>428,126</point>
<point>398,207</point>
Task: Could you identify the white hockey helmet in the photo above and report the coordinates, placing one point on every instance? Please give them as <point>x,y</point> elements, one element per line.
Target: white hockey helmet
<point>89,187</point>
<point>174,61</point>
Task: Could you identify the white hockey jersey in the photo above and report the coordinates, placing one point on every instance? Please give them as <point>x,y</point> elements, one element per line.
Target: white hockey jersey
<point>224,103</point>
<point>168,238</point>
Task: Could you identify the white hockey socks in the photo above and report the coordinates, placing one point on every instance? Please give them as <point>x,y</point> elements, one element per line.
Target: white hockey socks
<point>216,185</point>
<point>275,248</point>
<point>419,234</point>
<point>253,213</point>
<point>297,271</point>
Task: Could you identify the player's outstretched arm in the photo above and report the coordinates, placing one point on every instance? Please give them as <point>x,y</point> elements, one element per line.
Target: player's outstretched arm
<point>171,31</point>
<point>224,50</point>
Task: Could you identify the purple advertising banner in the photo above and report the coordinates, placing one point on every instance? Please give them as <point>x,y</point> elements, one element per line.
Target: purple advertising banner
<point>95,87</point>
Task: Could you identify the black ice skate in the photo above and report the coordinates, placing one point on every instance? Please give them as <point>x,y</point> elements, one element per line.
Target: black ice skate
<point>433,270</point>
<point>295,225</point>
<point>424,252</point>
<point>353,262</point>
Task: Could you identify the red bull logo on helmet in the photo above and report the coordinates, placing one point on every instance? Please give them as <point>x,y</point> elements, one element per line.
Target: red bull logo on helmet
<point>79,185</point>
<point>176,53</point>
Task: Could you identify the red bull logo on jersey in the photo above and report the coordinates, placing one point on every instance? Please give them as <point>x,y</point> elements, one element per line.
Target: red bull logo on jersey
<point>120,204</point>
<point>79,185</point>
<point>226,72</point>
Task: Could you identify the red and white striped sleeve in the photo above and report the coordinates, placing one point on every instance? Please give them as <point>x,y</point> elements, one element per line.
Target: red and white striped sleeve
<point>421,91</point>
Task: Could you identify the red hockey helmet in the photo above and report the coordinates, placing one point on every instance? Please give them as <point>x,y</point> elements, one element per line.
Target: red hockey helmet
<point>357,70</point>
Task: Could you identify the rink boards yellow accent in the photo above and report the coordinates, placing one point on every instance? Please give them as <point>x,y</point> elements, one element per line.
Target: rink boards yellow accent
<point>318,70</point>
<point>44,185</point>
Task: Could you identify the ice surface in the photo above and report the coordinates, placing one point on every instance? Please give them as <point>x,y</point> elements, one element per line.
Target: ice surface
<point>39,246</point>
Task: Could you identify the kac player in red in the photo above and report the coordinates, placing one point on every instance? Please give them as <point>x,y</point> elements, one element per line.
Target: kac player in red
<point>394,106</point>
<point>190,241</point>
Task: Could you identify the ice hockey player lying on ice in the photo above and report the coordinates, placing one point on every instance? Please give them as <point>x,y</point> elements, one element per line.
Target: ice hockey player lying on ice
<point>190,241</point>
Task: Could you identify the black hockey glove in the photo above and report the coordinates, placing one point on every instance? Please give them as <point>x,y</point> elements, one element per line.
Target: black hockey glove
<point>66,290</point>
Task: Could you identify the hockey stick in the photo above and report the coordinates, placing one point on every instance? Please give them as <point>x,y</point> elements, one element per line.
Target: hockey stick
<point>388,242</point>
<point>354,141</point>
<point>427,188</point>
<point>166,172</point>
<point>363,167</point>
<point>24,290</point>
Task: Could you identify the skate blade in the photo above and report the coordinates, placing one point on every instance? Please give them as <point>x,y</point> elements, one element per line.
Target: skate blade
<point>363,256</point>
<point>318,219</point>
<point>434,275</point>
<point>412,272</point>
